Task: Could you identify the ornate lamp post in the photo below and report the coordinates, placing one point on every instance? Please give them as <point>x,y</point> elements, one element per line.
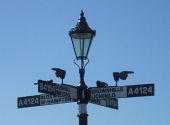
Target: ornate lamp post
<point>103,95</point>
<point>81,37</point>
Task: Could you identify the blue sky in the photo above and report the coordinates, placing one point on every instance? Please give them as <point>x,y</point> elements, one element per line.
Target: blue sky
<point>130,35</point>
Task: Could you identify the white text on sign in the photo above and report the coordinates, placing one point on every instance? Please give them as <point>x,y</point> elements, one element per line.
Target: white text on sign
<point>109,92</point>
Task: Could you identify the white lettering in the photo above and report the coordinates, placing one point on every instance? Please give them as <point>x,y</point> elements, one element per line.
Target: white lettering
<point>136,91</point>
<point>130,91</point>
<point>103,95</point>
<point>106,90</point>
<point>150,89</point>
<point>20,103</point>
<point>141,90</point>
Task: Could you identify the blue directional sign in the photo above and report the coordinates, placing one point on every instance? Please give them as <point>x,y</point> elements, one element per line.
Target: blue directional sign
<point>63,93</point>
<point>58,89</point>
<point>140,90</point>
<point>41,100</point>
<point>110,103</point>
<point>28,101</point>
<point>121,91</point>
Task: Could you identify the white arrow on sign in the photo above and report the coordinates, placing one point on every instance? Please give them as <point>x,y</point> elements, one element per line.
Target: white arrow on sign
<point>121,91</point>
<point>110,103</point>
<point>63,90</point>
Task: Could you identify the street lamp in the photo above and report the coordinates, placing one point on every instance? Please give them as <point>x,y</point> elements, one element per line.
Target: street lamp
<point>104,95</point>
<point>81,37</point>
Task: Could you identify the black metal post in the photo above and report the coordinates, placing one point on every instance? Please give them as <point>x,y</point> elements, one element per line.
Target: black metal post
<point>82,97</point>
<point>83,114</point>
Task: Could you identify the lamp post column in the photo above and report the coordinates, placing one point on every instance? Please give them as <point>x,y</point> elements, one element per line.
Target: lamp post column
<point>81,37</point>
<point>83,114</point>
<point>83,98</point>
